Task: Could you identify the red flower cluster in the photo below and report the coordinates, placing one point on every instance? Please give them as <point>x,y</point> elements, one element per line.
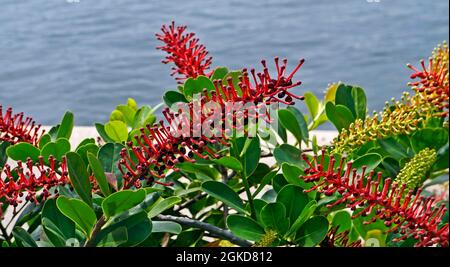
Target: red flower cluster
<point>190,58</point>
<point>410,214</point>
<point>161,147</point>
<point>31,178</point>
<point>433,81</point>
<point>16,128</point>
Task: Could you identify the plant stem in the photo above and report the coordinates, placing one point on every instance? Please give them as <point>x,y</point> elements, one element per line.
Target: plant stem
<point>219,232</point>
<point>249,196</point>
<point>5,234</point>
<point>98,226</point>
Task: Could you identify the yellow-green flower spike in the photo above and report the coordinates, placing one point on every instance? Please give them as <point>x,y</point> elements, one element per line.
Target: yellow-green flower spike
<point>414,172</point>
<point>267,239</point>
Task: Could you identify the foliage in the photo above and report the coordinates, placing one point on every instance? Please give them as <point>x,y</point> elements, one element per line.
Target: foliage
<point>144,182</point>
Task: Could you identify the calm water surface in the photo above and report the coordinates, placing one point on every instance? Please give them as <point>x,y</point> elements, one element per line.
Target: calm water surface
<point>89,55</point>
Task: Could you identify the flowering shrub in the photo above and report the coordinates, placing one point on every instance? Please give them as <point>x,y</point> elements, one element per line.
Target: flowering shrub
<point>231,162</point>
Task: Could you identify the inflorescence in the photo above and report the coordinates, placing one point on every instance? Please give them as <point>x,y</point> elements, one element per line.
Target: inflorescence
<point>16,128</point>
<point>406,212</point>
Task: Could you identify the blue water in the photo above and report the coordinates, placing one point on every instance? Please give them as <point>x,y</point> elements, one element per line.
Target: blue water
<point>89,55</point>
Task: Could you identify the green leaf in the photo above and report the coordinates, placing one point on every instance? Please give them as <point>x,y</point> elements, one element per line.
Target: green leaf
<point>224,193</point>
<point>79,177</point>
<point>66,126</point>
<point>359,97</point>
<point>115,238</point>
<point>273,216</point>
<point>229,162</point>
<point>394,148</point>
<point>45,139</point>
<point>57,227</point>
<point>121,201</point>
<point>85,142</point>
<point>442,158</point>
<point>344,97</point>
<point>301,123</point>
<point>289,154</point>
<point>23,237</point>
<point>264,181</point>
<point>84,150</point>
<point>79,212</point>
<point>306,213</point>
<point>371,161</point>
<point>56,149</point>
<point>194,86</point>
<point>219,73</point>
<point>292,174</point>
<point>138,226</point>
<point>312,103</point>
<point>101,131</point>
<point>343,220</point>
<point>251,155</point>
<point>431,138</point>
<point>23,151</point>
<point>339,115</point>
<point>132,103</point>
<point>99,174</point>
<point>109,156</point>
<point>312,232</point>
<point>128,113</point>
<point>163,205</point>
<point>289,121</point>
<point>144,116</point>
<point>3,156</point>
<point>166,227</point>
<point>116,115</point>
<point>245,227</point>
<point>172,97</point>
<point>294,199</point>
<point>117,131</point>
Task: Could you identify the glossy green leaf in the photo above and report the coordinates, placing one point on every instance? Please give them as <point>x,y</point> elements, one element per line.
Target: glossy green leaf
<point>273,216</point>
<point>312,232</point>
<point>79,212</point>
<point>360,101</point>
<point>58,227</point>
<point>234,80</point>
<point>85,149</point>
<point>344,97</point>
<point>109,156</point>
<point>219,73</point>
<point>343,220</point>
<point>225,194</point>
<point>128,113</point>
<point>23,151</point>
<point>300,118</point>
<point>166,227</point>
<point>117,131</point>
<point>115,238</point>
<point>431,138</point>
<point>56,149</point>
<point>143,117</point>
<point>66,126</point>
<point>229,162</point>
<point>294,199</point>
<point>101,131</point>
<point>45,139</point>
<point>289,121</point>
<point>194,86</point>
<point>339,115</point>
<point>172,97</point>
<point>79,177</point>
<point>286,153</point>
<point>99,174</point>
<point>23,237</point>
<point>85,142</point>
<point>251,155</point>
<point>306,213</point>
<point>245,227</point>
<point>163,205</point>
<point>371,161</point>
<point>121,201</point>
<point>442,156</point>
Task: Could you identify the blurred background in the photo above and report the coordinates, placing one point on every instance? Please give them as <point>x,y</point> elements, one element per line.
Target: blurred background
<point>90,55</point>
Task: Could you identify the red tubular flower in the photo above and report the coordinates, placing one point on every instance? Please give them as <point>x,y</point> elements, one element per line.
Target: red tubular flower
<point>31,178</point>
<point>411,214</point>
<point>190,58</point>
<point>433,83</point>
<point>160,148</point>
<point>16,128</point>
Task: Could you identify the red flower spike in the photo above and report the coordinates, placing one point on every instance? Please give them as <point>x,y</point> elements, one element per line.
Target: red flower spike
<point>190,58</point>
<point>31,178</point>
<point>413,215</point>
<point>16,128</point>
